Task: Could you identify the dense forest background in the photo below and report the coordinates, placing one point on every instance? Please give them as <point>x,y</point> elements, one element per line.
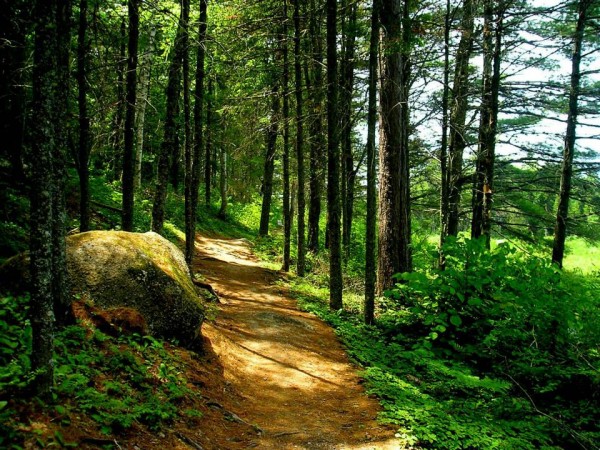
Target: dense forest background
<point>433,166</point>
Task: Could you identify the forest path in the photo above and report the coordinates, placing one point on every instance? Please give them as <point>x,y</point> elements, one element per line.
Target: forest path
<point>286,370</point>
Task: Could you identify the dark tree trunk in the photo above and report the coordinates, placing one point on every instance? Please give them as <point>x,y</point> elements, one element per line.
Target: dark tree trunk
<point>223,182</point>
<point>562,214</point>
<point>62,136</point>
<point>198,107</point>
<point>301,263</point>
<point>333,163</point>
<point>84,121</point>
<point>287,220</point>
<point>269,167</point>
<point>347,89</point>
<point>190,237</point>
<point>50,45</point>
<point>394,210</point>
<point>208,157</point>
<point>177,157</point>
<point>317,144</point>
<point>130,98</point>
<point>460,102</point>
<point>370,269</point>
<point>143,93</point>
<point>117,161</point>
<point>169,147</point>
<point>444,144</point>
<point>484,177</point>
<point>404,247</point>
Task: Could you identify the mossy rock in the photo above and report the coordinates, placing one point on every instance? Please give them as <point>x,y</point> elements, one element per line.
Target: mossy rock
<point>145,272</point>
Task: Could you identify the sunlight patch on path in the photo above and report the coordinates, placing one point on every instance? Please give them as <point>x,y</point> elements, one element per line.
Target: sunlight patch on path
<point>293,377</point>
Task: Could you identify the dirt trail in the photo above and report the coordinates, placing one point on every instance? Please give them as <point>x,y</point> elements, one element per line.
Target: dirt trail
<point>285,371</point>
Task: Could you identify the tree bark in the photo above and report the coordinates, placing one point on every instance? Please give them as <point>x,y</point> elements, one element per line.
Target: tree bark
<point>394,208</point>
<point>190,237</point>
<point>301,252</point>
<point>317,144</point>
<point>84,121</point>
<point>287,220</point>
<point>404,246</point>
<point>269,166</point>
<point>458,116</point>
<point>130,97</point>
<point>347,89</point>
<point>562,214</point>
<point>444,144</point>
<point>484,181</point>
<point>62,132</point>
<point>370,268</point>
<point>46,166</point>
<point>142,100</point>
<point>198,108</point>
<point>223,182</point>
<point>208,157</point>
<point>117,161</point>
<point>333,162</point>
<point>168,149</point>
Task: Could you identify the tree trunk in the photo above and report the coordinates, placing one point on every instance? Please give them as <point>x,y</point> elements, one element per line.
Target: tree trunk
<point>394,224</point>
<point>198,107</point>
<point>460,102</point>
<point>287,220</point>
<point>269,167</point>
<point>142,101</point>
<point>177,157</point>
<point>84,122</point>
<point>404,247</point>
<point>301,262</point>
<point>562,214</point>
<point>444,144</point>
<point>347,89</point>
<point>46,166</point>
<point>208,157</point>
<point>190,237</point>
<point>168,149</point>
<point>117,162</point>
<point>370,269</point>
<point>223,182</point>
<point>62,136</point>
<point>130,97</point>
<point>333,162</point>
<point>482,195</point>
<point>317,144</point>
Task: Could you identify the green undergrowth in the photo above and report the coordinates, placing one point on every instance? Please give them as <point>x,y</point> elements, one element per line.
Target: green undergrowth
<point>115,381</point>
<point>500,350</point>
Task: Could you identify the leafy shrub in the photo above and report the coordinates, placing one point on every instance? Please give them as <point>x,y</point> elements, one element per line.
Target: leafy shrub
<point>512,315</point>
<point>486,302</point>
<point>15,344</point>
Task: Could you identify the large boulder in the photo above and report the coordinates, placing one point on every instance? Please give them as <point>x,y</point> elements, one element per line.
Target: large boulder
<point>145,272</point>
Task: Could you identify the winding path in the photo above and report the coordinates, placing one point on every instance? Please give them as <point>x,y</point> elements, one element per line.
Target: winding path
<point>291,377</point>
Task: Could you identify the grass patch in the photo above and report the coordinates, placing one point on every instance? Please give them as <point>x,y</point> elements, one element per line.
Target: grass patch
<point>582,256</point>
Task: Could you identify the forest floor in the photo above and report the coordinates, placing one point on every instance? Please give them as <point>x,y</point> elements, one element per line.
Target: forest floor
<point>283,372</point>
<point>270,377</point>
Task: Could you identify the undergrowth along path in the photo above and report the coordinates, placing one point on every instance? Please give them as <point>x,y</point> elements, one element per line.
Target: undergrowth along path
<point>287,373</point>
